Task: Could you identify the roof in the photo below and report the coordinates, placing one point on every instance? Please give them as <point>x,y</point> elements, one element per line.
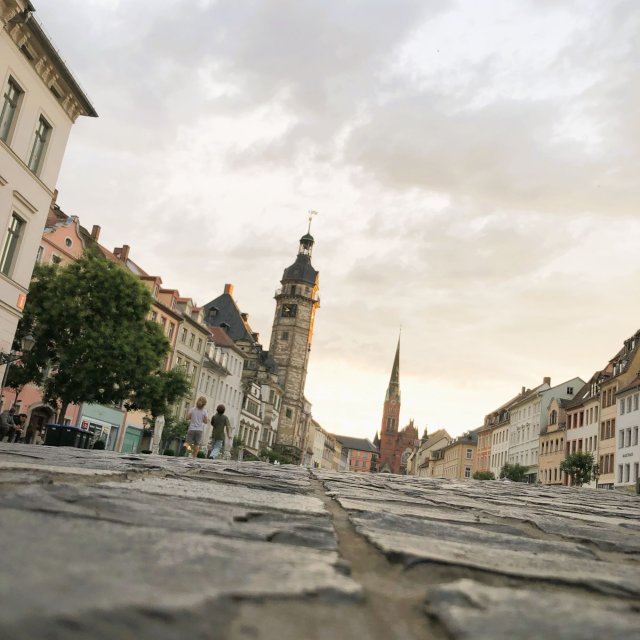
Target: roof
<point>393,390</point>
<point>222,339</point>
<point>435,437</point>
<point>227,312</point>
<point>45,42</point>
<point>301,270</point>
<point>634,384</point>
<point>360,444</point>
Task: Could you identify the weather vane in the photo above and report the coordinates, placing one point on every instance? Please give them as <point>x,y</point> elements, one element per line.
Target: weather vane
<point>311,214</point>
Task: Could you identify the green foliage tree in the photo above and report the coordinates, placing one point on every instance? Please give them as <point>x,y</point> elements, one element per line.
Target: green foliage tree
<point>93,341</point>
<point>174,429</point>
<point>160,390</point>
<point>484,475</point>
<point>581,467</point>
<point>514,472</point>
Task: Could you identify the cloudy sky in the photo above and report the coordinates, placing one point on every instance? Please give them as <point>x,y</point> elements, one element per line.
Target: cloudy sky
<point>474,164</point>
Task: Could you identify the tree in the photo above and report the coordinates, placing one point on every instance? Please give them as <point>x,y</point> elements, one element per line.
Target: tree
<point>159,391</point>
<point>581,467</point>
<point>93,341</point>
<point>514,472</point>
<point>174,429</point>
<point>484,475</point>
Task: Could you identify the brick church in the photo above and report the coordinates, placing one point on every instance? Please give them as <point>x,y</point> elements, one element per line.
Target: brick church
<point>395,446</point>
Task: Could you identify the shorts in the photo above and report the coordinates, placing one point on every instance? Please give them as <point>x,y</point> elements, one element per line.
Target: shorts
<point>194,436</point>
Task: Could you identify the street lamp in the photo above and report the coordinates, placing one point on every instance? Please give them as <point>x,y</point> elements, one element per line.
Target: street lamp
<point>26,345</point>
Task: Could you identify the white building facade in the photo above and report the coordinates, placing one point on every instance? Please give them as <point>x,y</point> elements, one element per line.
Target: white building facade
<point>627,459</point>
<point>39,102</point>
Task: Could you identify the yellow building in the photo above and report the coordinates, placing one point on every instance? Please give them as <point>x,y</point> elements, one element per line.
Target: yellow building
<point>460,457</point>
<point>625,365</point>
<point>552,444</point>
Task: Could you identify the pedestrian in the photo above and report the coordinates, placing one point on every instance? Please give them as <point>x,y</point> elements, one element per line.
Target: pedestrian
<point>221,430</point>
<point>6,422</point>
<point>197,419</point>
<point>17,428</point>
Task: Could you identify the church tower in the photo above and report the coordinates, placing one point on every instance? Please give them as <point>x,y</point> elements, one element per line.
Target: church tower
<point>296,304</point>
<point>389,459</point>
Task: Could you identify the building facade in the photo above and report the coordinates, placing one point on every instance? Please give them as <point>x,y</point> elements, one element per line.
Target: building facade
<point>459,457</point>
<point>552,444</point>
<point>39,102</point>
<point>628,450</point>
<point>361,454</point>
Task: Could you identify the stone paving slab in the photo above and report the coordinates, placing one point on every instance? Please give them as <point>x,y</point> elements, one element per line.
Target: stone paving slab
<point>475,611</point>
<point>103,545</point>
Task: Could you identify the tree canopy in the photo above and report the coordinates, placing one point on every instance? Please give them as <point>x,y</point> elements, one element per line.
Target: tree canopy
<point>581,467</point>
<point>514,472</point>
<point>93,339</point>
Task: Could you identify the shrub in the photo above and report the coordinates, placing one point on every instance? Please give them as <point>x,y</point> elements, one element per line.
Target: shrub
<point>514,472</point>
<point>484,475</point>
<point>169,452</point>
<point>202,454</point>
<point>99,444</point>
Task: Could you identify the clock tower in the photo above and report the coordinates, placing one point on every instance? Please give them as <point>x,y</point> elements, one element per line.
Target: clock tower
<point>296,304</point>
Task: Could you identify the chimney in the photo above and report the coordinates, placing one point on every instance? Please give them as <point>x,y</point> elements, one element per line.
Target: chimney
<point>55,197</point>
<point>522,392</point>
<point>546,380</point>
<point>244,316</point>
<point>95,232</point>
<point>228,288</point>
<point>122,252</point>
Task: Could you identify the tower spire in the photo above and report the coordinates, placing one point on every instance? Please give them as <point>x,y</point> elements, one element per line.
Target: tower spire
<point>393,390</point>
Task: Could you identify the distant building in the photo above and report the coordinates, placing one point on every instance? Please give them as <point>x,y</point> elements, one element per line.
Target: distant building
<point>395,446</point>
<point>40,101</point>
<point>426,453</point>
<point>624,369</point>
<point>552,444</point>
<point>362,456</point>
<point>628,451</point>
<point>459,457</point>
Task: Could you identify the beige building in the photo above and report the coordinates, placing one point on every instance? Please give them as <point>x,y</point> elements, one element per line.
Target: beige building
<point>460,457</point>
<point>423,458</point>
<point>39,102</point>
<point>624,368</point>
<point>552,444</point>
<point>583,419</point>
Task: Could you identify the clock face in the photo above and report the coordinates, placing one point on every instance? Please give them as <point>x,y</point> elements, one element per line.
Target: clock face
<point>289,310</point>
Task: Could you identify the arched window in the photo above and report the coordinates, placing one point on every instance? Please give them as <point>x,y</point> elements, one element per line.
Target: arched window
<point>554,417</point>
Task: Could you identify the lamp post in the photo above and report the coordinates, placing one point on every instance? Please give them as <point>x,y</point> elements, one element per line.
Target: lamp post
<point>26,345</point>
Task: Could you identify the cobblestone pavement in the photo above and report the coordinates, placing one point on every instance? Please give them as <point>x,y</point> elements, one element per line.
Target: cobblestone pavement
<point>104,545</point>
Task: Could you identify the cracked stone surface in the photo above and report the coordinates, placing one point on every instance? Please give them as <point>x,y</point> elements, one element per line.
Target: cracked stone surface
<point>103,545</point>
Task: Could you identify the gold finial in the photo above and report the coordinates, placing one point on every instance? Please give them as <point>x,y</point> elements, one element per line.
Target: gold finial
<point>311,214</point>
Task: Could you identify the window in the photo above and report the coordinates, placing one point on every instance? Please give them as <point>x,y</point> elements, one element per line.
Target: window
<point>284,335</point>
<point>467,472</point>
<point>635,402</point>
<point>11,243</point>
<point>39,254</point>
<point>68,242</point>
<point>635,436</point>
<point>289,310</point>
<point>569,391</point>
<point>183,337</point>
<point>171,329</point>
<point>288,412</point>
<point>192,338</point>
<point>199,345</point>
<point>469,453</point>
<point>621,439</point>
<point>43,133</point>
<point>154,316</point>
<point>55,259</point>
<point>622,407</point>
<point>10,104</point>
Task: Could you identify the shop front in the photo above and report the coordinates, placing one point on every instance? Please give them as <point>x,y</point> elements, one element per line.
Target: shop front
<point>104,423</point>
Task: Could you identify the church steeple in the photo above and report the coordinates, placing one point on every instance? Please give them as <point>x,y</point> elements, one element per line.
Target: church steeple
<point>393,390</point>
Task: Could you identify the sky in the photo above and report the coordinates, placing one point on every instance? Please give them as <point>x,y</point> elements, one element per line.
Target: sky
<point>474,166</point>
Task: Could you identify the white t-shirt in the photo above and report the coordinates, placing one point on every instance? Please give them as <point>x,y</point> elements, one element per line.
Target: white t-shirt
<point>197,419</point>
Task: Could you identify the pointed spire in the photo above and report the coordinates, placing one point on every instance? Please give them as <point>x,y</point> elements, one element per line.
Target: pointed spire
<point>393,390</point>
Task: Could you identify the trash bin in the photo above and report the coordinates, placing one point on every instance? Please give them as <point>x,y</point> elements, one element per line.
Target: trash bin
<point>62,435</point>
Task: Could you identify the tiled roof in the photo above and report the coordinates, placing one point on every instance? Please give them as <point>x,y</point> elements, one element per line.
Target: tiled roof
<point>360,444</point>
<point>226,311</point>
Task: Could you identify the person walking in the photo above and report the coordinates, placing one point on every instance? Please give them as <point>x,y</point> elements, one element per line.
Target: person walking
<point>198,417</point>
<point>221,430</point>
